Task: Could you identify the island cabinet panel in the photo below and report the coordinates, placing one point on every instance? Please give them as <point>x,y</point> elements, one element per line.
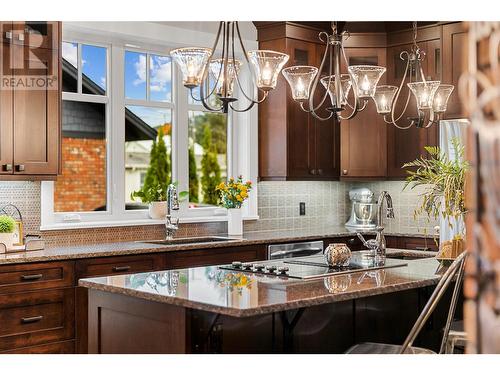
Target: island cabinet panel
<point>36,318</point>
<point>126,325</point>
<point>208,257</point>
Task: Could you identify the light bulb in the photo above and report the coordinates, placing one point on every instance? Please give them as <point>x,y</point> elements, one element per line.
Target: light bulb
<point>191,72</point>
<point>300,88</point>
<point>438,100</point>
<point>383,102</point>
<point>365,85</point>
<point>267,74</point>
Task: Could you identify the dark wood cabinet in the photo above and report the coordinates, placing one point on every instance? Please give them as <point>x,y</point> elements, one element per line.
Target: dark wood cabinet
<point>405,145</point>
<point>30,106</point>
<point>363,138</point>
<point>454,64</point>
<point>293,145</point>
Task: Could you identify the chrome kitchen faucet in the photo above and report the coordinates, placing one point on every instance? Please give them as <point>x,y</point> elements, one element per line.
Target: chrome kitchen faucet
<point>171,224</point>
<point>378,245</point>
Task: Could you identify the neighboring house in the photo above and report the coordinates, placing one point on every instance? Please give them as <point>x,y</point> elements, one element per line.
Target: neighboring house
<point>82,186</point>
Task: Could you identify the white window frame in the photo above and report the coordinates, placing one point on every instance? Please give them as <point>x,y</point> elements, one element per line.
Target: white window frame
<point>242,133</point>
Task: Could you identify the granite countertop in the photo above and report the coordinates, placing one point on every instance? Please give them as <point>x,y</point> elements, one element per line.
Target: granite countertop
<point>243,294</point>
<point>130,248</point>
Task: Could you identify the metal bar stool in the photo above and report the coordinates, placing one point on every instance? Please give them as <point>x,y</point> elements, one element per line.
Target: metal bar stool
<point>455,269</point>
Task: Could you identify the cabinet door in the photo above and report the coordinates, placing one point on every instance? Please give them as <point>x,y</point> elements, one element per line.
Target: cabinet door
<point>326,133</point>
<point>363,139</point>
<point>300,145</point>
<point>36,112</point>
<point>454,64</point>
<point>6,125</point>
<point>36,34</point>
<point>405,145</point>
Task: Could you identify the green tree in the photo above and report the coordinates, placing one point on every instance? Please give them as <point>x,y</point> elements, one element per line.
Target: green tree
<point>193,177</point>
<point>210,168</point>
<point>158,173</point>
<point>218,126</point>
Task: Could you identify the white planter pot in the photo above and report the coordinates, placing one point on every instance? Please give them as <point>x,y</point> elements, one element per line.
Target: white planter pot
<point>7,239</point>
<point>234,222</point>
<point>157,210</point>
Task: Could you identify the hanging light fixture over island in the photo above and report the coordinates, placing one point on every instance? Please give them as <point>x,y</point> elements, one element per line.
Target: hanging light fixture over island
<point>431,96</point>
<point>218,76</point>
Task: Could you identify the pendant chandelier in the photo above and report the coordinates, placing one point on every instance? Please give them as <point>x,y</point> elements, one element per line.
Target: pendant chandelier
<point>218,75</point>
<point>431,96</point>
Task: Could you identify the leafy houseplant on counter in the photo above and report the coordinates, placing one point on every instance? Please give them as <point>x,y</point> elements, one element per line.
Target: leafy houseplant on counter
<point>444,182</point>
<point>232,195</point>
<point>154,190</point>
<point>7,227</point>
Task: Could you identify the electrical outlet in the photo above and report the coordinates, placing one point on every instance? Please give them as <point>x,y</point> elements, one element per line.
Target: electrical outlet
<point>302,208</point>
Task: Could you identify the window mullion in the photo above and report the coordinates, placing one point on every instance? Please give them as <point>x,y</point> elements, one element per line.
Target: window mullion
<point>181,136</point>
<point>118,131</point>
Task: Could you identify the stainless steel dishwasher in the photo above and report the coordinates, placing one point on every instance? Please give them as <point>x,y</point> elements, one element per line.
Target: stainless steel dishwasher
<point>292,250</point>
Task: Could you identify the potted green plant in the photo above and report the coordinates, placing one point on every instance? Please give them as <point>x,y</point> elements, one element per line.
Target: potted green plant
<point>154,189</point>
<point>443,179</point>
<point>7,227</point>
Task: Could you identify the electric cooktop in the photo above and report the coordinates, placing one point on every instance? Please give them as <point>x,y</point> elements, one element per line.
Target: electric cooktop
<point>313,267</point>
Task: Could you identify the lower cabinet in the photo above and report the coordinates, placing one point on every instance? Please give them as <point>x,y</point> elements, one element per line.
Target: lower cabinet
<point>35,318</point>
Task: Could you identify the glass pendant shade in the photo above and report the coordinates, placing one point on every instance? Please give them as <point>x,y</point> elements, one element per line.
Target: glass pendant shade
<point>267,65</point>
<point>384,96</point>
<point>365,79</point>
<point>424,93</point>
<point>300,79</point>
<point>217,71</point>
<point>328,83</point>
<point>441,97</point>
<point>192,62</point>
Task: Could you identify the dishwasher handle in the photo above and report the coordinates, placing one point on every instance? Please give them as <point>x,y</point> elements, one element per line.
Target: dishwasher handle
<point>305,250</point>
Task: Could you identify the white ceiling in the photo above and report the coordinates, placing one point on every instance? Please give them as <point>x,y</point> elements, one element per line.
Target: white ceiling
<point>247,29</point>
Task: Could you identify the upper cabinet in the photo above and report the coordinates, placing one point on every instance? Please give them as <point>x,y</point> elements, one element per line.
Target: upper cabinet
<point>405,145</point>
<point>293,145</point>
<point>30,105</point>
<point>363,139</point>
<point>455,59</point>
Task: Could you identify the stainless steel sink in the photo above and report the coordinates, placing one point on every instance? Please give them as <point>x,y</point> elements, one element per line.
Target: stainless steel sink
<point>189,240</point>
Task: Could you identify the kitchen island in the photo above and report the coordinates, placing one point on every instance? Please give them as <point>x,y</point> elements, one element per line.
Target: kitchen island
<point>211,309</point>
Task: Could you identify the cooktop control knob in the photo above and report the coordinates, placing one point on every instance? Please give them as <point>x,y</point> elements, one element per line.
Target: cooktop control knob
<point>283,270</point>
<point>271,269</point>
<point>236,264</point>
<point>258,267</point>
<point>248,266</point>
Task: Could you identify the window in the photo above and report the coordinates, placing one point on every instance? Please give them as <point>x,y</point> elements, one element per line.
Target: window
<point>116,98</point>
<point>83,184</point>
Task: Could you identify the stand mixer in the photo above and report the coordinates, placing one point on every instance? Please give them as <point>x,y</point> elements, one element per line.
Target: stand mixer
<point>363,211</point>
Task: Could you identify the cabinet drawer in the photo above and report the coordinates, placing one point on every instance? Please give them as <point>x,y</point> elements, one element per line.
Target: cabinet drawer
<point>63,347</point>
<point>207,257</point>
<point>415,243</point>
<point>26,277</point>
<point>119,265</point>
<point>36,318</point>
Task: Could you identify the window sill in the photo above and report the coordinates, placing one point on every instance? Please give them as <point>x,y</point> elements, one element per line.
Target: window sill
<point>135,222</point>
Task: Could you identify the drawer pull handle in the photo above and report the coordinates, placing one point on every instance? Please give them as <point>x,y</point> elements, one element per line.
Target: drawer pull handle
<point>121,268</point>
<point>31,277</point>
<point>422,248</point>
<point>32,319</point>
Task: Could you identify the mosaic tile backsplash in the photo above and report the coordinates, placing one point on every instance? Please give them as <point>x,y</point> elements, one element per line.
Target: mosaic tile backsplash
<point>327,204</point>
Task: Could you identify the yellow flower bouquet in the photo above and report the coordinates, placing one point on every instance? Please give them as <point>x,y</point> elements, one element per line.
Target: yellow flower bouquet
<point>234,192</point>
